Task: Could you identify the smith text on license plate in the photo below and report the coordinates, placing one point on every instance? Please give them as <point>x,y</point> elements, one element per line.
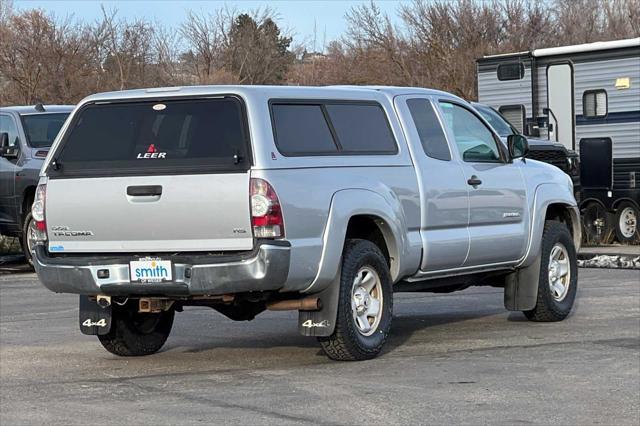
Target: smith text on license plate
<point>150,270</point>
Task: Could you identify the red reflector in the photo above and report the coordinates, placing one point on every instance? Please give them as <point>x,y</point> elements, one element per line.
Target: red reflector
<point>42,226</point>
<point>41,154</point>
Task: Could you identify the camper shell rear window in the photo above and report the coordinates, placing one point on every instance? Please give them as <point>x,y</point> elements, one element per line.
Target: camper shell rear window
<point>161,136</point>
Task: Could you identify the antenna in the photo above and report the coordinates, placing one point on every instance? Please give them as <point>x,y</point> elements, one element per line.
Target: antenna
<point>39,107</point>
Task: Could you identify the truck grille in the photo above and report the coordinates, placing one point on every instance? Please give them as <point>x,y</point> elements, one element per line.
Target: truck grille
<point>555,157</point>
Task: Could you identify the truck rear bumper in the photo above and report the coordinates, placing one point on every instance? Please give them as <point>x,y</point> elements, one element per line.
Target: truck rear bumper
<point>264,268</point>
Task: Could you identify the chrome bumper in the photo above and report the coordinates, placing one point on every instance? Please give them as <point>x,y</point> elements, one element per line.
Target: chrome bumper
<point>265,268</point>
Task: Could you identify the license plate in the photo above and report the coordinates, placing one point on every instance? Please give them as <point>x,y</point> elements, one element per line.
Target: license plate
<point>150,270</point>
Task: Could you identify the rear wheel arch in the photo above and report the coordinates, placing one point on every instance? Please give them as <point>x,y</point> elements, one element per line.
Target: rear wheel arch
<point>584,203</point>
<point>389,218</point>
<point>375,229</point>
<point>619,201</point>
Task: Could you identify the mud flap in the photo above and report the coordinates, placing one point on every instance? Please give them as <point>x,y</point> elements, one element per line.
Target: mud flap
<point>322,322</point>
<point>94,319</point>
<point>521,288</point>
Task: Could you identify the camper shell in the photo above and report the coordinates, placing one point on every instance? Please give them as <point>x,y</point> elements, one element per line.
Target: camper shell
<point>586,97</point>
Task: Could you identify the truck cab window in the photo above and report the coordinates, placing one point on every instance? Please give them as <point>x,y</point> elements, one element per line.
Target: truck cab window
<point>474,140</point>
<point>429,130</point>
<point>8,125</point>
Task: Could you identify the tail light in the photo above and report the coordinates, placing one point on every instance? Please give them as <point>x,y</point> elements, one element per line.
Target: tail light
<point>266,214</point>
<point>37,213</point>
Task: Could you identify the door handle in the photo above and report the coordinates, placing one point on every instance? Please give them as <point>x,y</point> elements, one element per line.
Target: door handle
<point>474,181</point>
<point>144,191</point>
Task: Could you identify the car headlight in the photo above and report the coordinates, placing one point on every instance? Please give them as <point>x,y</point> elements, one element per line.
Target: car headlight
<point>573,165</point>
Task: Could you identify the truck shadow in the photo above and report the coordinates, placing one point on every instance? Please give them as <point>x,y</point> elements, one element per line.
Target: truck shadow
<point>405,328</point>
<point>283,336</point>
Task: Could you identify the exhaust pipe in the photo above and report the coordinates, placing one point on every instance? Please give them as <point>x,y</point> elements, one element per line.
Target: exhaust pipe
<point>306,304</point>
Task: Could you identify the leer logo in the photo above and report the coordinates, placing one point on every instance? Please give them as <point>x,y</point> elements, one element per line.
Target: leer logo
<point>152,152</point>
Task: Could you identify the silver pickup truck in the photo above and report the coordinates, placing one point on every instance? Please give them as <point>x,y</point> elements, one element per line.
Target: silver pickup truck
<point>321,200</point>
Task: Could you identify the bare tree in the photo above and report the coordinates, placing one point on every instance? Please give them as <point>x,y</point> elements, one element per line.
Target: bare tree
<point>6,10</point>
<point>622,18</point>
<point>25,38</point>
<point>205,36</point>
<point>434,44</point>
<point>166,46</point>
<point>128,45</point>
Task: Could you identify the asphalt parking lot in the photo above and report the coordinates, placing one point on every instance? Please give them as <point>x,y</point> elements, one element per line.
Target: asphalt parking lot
<point>453,358</point>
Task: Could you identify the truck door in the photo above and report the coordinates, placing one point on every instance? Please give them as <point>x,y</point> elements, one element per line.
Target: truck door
<point>444,198</point>
<point>498,221</point>
<point>8,168</point>
<point>560,102</point>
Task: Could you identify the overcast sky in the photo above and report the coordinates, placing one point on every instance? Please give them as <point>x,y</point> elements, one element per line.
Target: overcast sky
<point>297,16</point>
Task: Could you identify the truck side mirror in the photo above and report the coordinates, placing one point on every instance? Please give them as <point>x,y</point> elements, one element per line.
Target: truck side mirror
<point>6,150</point>
<point>4,142</point>
<point>518,146</point>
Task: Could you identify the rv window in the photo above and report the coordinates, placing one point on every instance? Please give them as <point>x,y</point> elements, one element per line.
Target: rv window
<point>514,114</point>
<point>594,103</point>
<point>510,71</point>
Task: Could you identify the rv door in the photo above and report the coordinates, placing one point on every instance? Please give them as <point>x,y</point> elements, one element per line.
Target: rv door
<point>560,102</point>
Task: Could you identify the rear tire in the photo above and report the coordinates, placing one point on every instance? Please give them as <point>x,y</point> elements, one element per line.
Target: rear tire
<point>136,334</point>
<point>365,305</point>
<point>558,281</point>
<point>626,223</point>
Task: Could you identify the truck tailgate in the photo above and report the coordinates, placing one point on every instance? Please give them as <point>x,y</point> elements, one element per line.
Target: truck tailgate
<point>192,213</point>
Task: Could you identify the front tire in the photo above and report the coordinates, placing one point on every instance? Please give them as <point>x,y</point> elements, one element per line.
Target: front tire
<point>365,305</point>
<point>558,281</point>
<point>136,334</point>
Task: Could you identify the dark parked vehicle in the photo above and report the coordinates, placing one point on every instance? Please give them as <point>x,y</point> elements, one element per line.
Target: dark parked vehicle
<point>26,134</point>
<point>539,149</point>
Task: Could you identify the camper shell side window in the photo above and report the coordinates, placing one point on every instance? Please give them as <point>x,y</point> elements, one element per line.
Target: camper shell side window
<point>331,127</point>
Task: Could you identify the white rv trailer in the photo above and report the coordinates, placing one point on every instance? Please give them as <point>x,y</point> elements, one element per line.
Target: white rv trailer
<point>586,97</point>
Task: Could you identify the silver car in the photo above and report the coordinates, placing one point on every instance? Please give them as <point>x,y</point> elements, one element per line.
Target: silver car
<point>320,200</point>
